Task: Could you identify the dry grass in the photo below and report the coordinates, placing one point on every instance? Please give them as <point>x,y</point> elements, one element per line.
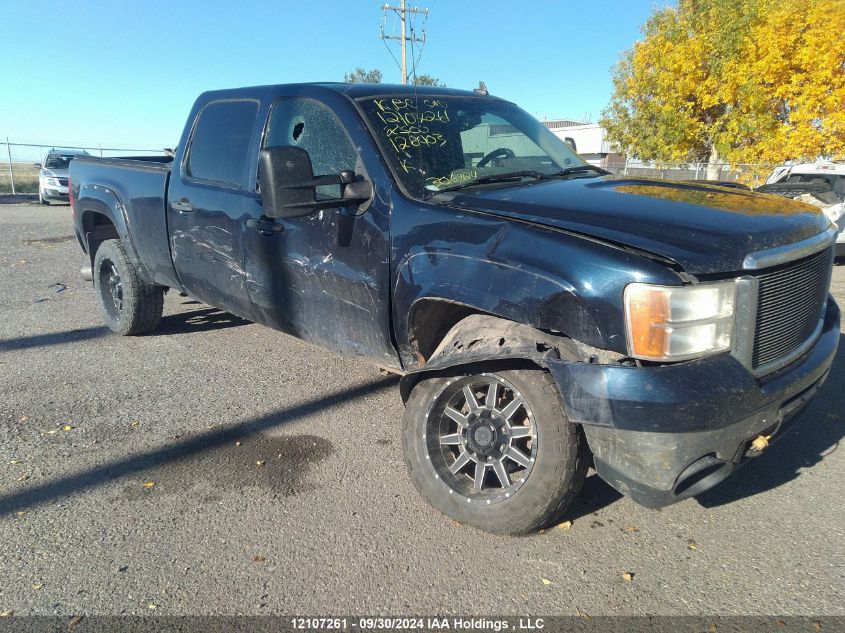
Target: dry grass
<point>26,178</point>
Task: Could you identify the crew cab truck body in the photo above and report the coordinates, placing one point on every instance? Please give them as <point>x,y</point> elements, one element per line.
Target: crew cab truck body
<point>544,315</point>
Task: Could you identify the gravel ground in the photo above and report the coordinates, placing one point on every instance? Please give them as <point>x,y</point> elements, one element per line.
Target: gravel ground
<point>218,467</point>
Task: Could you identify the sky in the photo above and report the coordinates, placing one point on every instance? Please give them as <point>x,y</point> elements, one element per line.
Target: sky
<point>125,73</point>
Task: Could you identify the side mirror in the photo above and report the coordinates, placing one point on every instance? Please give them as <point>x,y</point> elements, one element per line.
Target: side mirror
<point>288,184</point>
<point>571,142</point>
<point>37,165</point>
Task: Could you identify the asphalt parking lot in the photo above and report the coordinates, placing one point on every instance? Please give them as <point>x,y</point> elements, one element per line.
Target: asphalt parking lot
<point>216,466</point>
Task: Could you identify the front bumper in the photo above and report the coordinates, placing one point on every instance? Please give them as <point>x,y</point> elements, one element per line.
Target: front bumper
<point>53,193</point>
<point>662,434</point>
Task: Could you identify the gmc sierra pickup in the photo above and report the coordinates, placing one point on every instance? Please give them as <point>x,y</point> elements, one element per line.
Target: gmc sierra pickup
<point>544,315</point>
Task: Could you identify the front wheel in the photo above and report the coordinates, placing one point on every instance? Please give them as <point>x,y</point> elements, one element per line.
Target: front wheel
<point>42,199</point>
<point>129,304</point>
<point>494,449</point>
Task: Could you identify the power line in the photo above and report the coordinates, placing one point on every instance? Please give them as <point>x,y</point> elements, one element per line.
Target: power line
<point>384,41</point>
<point>414,57</point>
<point>403,11</point>
<point>417,58</point>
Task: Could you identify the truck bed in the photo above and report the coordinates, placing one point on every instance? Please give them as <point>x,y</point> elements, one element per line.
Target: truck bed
<point>140,185</point>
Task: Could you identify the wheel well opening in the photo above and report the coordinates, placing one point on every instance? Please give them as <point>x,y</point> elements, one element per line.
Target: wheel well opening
<point>98,228</point>
<point>430,321</point>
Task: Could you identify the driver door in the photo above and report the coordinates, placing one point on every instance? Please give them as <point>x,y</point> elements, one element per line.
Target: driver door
<point>325,277</point>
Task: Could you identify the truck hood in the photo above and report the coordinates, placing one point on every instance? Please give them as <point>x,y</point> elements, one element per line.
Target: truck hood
<point>704,229</point>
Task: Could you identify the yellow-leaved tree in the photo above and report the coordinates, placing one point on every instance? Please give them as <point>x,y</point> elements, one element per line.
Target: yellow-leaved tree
<point>739,81</point>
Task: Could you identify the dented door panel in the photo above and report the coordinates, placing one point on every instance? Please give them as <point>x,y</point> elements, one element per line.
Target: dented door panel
<point>207,250</point>
<point>324,279</point>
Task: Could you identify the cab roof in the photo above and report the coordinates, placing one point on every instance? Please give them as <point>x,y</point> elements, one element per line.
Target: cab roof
<point>356,91</point>
<point>351,91</point>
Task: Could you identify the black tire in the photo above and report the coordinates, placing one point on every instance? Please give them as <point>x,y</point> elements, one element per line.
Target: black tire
<point>42,199</point>
<point>129,305</point>
<point>557,469</point>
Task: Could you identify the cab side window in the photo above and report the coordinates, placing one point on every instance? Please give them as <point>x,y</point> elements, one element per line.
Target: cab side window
<point>312,126</point>
<point>219,149</point>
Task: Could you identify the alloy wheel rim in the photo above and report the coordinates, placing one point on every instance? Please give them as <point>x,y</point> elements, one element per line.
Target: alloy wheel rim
<point>111,288</point>
<point>481,438</point>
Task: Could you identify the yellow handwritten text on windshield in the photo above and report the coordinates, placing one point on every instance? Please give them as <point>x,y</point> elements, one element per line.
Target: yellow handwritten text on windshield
<point>409,123</point>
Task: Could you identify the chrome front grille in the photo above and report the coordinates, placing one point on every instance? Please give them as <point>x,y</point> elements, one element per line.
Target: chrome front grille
<point>790,300</point>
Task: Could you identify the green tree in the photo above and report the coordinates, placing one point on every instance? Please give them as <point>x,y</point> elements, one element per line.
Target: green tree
<point>361,76</point>
<point>733,80</point>
<point>426,80</point>
<point>374,76</point>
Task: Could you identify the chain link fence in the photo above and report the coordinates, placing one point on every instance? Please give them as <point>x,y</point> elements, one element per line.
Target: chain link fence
<point>750,174</point>
<point>19,173</point>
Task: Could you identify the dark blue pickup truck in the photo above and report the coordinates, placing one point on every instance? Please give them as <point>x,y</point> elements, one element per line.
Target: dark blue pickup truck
<point>544,315</point>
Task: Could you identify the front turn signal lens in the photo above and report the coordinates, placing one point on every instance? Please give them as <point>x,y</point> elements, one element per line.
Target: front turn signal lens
<point>679,322</point>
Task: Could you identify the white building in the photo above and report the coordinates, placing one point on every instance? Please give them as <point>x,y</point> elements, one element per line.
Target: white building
<point>590,141</point>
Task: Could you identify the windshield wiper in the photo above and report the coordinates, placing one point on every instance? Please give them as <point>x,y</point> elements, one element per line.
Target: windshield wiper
<point>505,177</point>
<point>579,169</point>
<point>518,175</point>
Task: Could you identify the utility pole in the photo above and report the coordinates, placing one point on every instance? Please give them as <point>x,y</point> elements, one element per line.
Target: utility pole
<point>11,172</point>
<point>403,11</point>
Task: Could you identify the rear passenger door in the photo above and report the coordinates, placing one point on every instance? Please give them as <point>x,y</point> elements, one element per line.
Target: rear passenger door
<point>208,195</point>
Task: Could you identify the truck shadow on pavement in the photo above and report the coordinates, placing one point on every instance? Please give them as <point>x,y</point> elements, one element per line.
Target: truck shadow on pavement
<point>52,338</point>
<point>205,319</point>
<point>157,459</point>
<point>595,495</point>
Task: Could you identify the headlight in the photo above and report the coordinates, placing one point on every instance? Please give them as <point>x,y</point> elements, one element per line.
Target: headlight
<point>679,322</point>
<point>53,182</point>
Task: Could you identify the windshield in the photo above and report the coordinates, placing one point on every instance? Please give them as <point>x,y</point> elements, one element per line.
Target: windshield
<point>435,143</point>
<point>57,161</point>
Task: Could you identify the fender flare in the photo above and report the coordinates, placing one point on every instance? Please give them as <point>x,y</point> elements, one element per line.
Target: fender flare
<point>481,338</point>
<point>104,201</point>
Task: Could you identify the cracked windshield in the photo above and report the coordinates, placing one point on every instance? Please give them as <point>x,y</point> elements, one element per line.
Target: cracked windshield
<point>438,143</point>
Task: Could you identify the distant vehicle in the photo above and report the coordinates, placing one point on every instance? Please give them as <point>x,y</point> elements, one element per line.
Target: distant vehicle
<point>825,181</point>
<point>544,315</point>
<point>829,172</point>
<point>52,181</point>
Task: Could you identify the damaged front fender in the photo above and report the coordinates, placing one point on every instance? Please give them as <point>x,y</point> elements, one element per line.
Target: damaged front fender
<point>482,338</point>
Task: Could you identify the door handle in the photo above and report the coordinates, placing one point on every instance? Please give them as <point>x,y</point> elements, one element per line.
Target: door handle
<point>265,227</point>
<point>182,206</point>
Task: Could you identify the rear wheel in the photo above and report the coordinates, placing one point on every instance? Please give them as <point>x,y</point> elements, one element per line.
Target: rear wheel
<point>494,449</point>
<point>129,304</point>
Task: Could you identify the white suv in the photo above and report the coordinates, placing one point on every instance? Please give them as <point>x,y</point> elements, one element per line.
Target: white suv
<point>52,181</point>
